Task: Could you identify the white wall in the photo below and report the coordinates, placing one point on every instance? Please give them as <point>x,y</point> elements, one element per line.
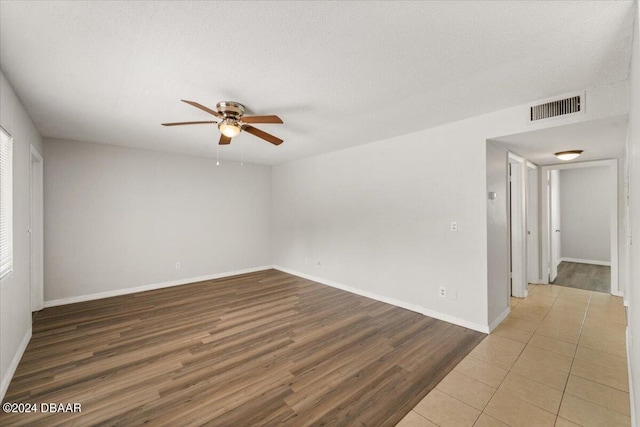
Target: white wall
<point>15,291</point>
<point>585,208</point>
<point>378,215</point>
<point>633,170</point>
<point>118,218</point>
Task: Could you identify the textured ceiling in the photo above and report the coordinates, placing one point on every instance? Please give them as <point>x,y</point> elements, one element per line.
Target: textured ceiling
<point>338,73</point>
<point>599,139</point>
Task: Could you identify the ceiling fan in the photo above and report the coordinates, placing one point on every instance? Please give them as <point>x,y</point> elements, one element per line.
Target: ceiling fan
<point>233,121</point>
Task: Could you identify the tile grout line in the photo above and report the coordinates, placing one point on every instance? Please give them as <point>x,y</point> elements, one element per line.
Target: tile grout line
<point>564,391</point>
<point>421,416</point>
<point>525,346</point>
<point>464,403</point>
<point>580,333</point>
<point>588,379</point>
<point>492,394</point>
<point>555,299</point>
<point>509,369</point>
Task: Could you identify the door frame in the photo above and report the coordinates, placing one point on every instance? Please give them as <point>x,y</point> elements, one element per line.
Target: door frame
<point>612,164</point>
<point>533,223</point>
<point>36,229</point>
<point>518,225</point>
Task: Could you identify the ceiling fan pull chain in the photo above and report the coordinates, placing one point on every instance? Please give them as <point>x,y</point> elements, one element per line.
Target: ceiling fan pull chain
<point>217,155</point>
<point>241,154</point>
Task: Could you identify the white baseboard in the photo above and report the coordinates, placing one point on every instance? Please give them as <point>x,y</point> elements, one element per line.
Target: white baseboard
<point>629,374</point>
<point>499,319</point>
<point>625,302</point>
<point>117,292</point>
<point>418,309</point>
<point>408,306</point>
<point>4,385</point>
<point>586,261</point>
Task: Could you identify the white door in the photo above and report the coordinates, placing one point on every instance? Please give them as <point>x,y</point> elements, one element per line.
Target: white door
<point>36,230</point>
<point>554,223</point>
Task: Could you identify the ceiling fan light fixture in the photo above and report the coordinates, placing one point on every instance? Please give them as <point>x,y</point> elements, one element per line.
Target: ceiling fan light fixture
<point>229,128</point>
<point>568,155</point>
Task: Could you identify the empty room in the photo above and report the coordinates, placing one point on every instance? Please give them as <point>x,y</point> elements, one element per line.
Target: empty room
<point>294,213</point>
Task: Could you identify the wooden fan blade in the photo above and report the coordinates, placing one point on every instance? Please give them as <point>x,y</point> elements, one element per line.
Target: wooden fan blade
<point>224,140</point>
<point>186,123</point>
<point>262,134</point>
<point>203,108</point>
<point>261,119</point>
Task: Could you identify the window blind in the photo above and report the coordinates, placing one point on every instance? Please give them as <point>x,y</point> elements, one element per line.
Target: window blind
<point>6,203</point>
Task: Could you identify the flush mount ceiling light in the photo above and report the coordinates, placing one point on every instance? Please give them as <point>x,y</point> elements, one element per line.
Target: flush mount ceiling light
<point>568,155</point>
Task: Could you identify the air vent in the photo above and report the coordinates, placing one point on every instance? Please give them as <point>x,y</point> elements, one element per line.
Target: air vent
<point>560,107</point>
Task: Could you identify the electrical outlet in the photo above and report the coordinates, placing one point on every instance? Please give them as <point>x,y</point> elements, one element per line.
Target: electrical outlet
<point>454,226</point>
<point>178,266</point>
<point>443,292</point>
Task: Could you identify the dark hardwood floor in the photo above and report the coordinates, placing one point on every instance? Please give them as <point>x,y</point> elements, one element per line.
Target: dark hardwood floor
<point>584,276</point>
<point>264,348</point>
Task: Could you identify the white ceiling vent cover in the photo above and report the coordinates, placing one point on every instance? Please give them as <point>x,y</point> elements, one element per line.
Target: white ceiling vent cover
<point>558,107</point>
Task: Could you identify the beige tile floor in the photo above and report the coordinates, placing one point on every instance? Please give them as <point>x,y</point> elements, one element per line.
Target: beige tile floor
<point>558,359</point>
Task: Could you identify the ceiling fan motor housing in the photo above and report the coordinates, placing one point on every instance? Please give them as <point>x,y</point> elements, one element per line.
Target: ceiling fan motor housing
<point>230,109</point>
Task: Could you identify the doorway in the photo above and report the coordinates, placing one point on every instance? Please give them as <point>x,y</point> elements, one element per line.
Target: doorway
<point>36,230</point>
<point>569,251</point>
<point>524,260</point>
